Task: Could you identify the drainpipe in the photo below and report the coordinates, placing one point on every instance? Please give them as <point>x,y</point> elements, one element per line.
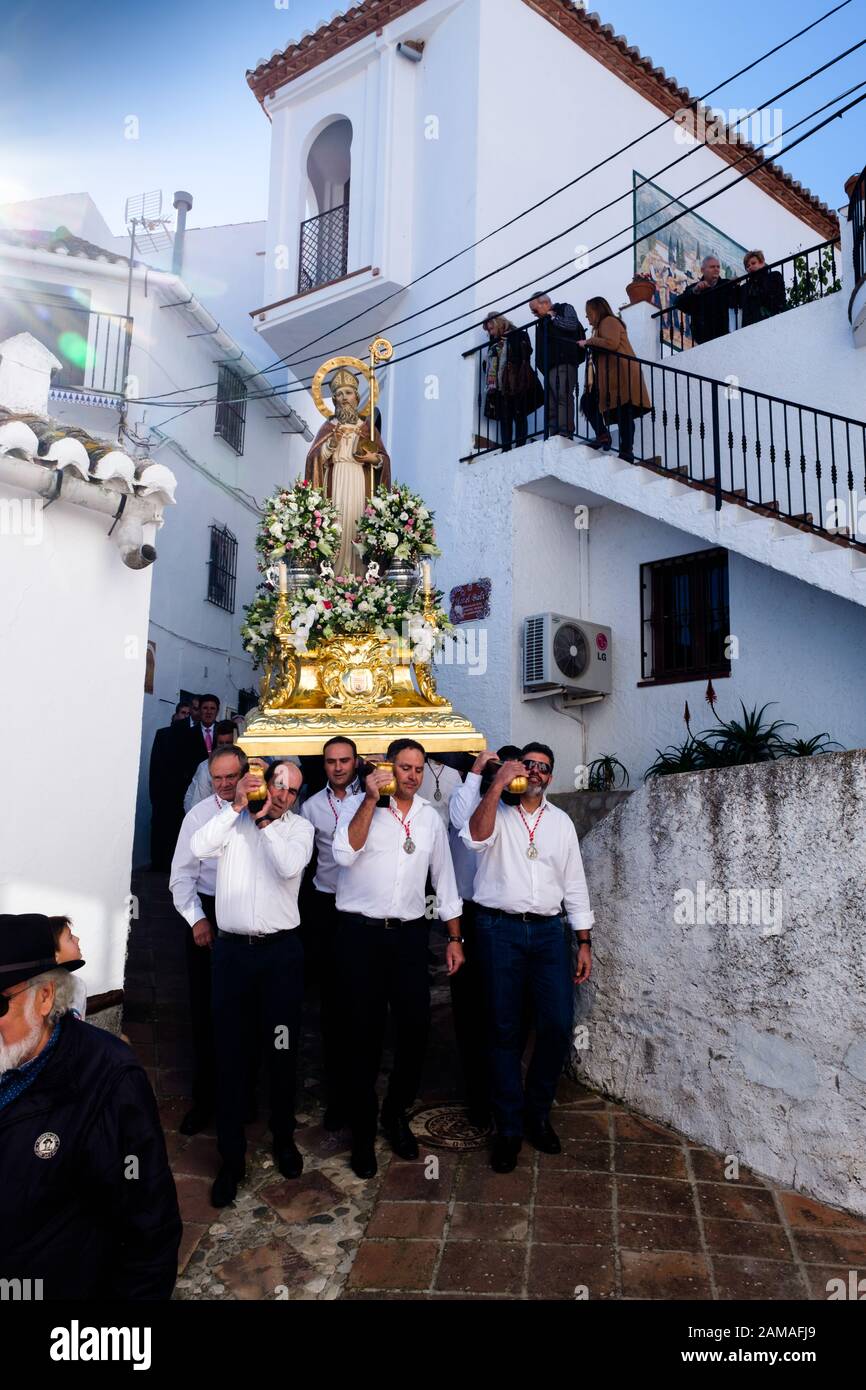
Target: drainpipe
<point>129,519</point>
<point>183,203</point>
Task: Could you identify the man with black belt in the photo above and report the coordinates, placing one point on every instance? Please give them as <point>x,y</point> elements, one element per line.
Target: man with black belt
<point>529,865</point>
<point>384,854</point>
<point>323,811</point>
<point>193,890</point>
<point>258,962</point>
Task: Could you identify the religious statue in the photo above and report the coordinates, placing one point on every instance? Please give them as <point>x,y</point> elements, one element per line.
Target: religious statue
<point>347,459</point>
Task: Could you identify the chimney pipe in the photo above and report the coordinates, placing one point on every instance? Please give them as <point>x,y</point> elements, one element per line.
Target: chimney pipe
<point>183,203</point>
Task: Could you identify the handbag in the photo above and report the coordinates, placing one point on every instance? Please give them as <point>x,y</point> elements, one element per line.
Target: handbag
<point>493,404</point>
<point>589,394</point>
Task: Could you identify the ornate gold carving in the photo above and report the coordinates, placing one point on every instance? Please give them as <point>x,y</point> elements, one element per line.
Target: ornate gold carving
<point>427,683</point>
<point>343,658</point>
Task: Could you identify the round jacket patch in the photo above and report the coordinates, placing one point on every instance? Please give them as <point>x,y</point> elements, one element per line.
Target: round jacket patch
<point>46,1145</point>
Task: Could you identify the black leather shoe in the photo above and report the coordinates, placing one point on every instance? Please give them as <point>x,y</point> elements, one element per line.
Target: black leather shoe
<point>334,1119</point>
<point>400,1136</point>
<point>225,1187</point>
<point>195,1120</point>
<point>506,1147</point>
<point>544,1137</point>
<point>290,1160</point>
<point>363,1162</point>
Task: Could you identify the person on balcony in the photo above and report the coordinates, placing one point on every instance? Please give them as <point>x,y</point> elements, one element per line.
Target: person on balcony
<point>615,392</point>
<point>707,302</point>
<point>762,294</point>
<point>558,354</point>
<point>512,390</point>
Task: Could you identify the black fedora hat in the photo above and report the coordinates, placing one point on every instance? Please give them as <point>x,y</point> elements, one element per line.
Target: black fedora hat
<point>27,948</point>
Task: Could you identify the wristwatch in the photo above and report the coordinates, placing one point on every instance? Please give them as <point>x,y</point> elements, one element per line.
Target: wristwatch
<point>457,940</point>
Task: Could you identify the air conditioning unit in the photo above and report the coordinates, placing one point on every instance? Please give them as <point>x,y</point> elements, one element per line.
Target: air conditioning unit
<point>566,654</point>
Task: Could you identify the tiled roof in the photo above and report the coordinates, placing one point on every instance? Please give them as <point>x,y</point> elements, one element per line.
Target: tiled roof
<point>586,30</point>
<point>63,242</point>
<point>36,439</point>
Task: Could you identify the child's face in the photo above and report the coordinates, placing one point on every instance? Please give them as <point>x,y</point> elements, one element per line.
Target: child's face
<point>68,947</point>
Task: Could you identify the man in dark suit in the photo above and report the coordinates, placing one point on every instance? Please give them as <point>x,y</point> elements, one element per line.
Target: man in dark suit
<point>166,797</point>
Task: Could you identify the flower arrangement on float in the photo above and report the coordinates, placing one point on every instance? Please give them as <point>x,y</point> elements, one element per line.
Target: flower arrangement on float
<point>299,526</point>
<point>396,525</point>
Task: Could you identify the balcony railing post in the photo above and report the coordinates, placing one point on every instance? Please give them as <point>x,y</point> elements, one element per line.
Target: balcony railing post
<point>717,444</point>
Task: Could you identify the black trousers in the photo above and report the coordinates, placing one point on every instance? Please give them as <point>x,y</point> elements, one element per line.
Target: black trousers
<point>198,965</point>
<point>383,968</point>
<point>468,1009</point>
<point>258,991</point>
<point>621,415</point>
<point>320,963</point>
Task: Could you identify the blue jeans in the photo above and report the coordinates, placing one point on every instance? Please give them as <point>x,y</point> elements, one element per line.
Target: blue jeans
<point>519,958</point>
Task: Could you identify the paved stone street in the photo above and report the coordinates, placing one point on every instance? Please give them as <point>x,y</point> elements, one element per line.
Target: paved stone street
<point>630,1210</point>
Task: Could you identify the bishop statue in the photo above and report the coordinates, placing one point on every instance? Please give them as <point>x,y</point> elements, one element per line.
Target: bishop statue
<point>348,463</point>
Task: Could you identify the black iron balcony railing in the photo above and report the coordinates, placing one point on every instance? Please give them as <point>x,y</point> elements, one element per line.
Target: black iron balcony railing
<point>93,348</point>
<point>857,214</point>
<point>324,248</point>
<point>788,461</point>
<point>799,279</point>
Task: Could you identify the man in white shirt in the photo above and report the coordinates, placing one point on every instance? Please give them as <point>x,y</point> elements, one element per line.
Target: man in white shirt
<point>384,854</point>
<point>529,866</point>
<point>258,961</point>
<point>467,987</point>
<point>323,811</point>
<point>200,788</point>
<point>192,884</point>
<point>439,784</point>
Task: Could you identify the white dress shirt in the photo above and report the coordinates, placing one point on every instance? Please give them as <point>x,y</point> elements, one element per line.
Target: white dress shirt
<point>449,781</point>
<point>259,871</point>
<point>381,880</point>
<point>461,808</point>
<point>190,875</point>
<point>323,811</point>
<point>200,788</point>
<point>507,880</point>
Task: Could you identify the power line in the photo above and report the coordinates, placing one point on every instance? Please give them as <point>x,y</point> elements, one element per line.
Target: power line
<point>571,184</point>
<point>292,390</point>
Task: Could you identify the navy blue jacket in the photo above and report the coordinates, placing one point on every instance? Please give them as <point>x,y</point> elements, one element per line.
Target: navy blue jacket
<point>96,1216</point>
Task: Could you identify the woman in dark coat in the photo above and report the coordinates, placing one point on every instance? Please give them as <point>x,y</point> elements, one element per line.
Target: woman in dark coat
<point>513,391</point>
<point>761,294</point>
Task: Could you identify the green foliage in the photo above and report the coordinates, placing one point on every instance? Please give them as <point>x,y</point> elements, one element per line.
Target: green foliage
<point>750,739</point>
<point>605,772</point>
<point>811,283</point>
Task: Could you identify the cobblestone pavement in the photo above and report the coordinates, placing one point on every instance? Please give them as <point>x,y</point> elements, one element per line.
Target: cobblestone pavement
<point>630,1210</point>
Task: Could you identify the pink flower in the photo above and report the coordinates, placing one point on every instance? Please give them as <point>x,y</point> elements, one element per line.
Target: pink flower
<point>389,608</point>
<point>327,604</point>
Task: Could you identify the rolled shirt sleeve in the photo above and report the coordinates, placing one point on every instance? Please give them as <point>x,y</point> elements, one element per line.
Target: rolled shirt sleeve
<point>479,845</point>
<point>465,801</point>
<point>343,853</point>
<point>576,895</point>
<point>211,839</point>
<point>449,904</point>
<point>183,880</point>
<point>289,845</point>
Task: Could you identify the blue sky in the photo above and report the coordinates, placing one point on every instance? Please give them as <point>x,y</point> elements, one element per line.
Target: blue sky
<point>70,77</point>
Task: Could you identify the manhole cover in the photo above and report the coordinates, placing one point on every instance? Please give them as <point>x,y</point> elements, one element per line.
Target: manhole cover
<point>448,1127</point>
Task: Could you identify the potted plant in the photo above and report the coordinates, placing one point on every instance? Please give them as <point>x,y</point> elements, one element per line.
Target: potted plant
<point>642,288</point>
<point>300,527</point>
<point>396,532</point>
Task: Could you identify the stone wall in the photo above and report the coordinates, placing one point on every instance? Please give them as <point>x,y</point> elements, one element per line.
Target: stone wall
<point>586,809</point>
<point>729,992</point>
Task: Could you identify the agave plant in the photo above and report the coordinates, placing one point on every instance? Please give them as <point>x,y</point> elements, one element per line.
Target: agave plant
<point>748,741</point>
<point>604,773</point>
<point>808,747</point>
<point>692,756</point>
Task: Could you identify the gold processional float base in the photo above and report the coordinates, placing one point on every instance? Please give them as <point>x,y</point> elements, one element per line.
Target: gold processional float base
<point>358,686</point>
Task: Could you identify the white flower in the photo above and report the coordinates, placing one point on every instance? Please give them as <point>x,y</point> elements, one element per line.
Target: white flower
<point>391,539</point>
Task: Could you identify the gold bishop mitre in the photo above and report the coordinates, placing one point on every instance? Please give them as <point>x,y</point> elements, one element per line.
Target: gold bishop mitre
<point>342,377</point>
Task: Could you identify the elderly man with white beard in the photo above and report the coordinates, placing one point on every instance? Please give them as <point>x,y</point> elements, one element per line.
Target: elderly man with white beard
<point>87,1201</point>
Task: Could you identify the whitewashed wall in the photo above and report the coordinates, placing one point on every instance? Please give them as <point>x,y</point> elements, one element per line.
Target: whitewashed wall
<point>74,635</point>
<point>748,1036</point>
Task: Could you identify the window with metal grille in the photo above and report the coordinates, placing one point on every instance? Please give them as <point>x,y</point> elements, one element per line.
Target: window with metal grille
<point>231,411</point>
<point>685,617</point>
<point>324,250</point>
<point>222,568</point>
